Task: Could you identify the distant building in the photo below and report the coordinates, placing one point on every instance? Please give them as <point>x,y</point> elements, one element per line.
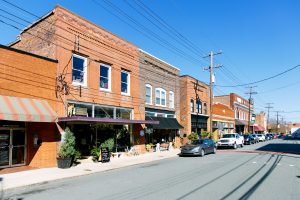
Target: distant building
<point>260,125</point>
<point>240,106</point>
<point>223,119</point>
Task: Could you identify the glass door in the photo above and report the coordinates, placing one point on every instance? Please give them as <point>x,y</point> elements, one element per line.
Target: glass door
<point>18,147</point>
<point>12,147</point>
<point>4,148</point>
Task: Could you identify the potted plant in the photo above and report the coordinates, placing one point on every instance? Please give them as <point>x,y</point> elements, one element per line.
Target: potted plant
<point>67,150</point>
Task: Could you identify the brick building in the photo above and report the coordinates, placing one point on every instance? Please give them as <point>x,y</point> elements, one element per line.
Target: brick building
<point>28,133</point>
<point>240,106</point>
<point>160,90</point>
<point>223,119</point>
<point>98,78</point>
<point>260,125</point>
<point>194,105</point>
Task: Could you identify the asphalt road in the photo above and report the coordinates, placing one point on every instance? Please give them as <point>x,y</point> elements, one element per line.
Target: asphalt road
<point>229,174</point>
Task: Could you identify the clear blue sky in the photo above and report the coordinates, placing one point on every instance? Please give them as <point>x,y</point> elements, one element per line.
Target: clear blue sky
<point>259,38</point>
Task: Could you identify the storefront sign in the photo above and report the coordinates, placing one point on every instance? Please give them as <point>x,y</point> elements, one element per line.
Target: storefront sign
<point>104,154</point>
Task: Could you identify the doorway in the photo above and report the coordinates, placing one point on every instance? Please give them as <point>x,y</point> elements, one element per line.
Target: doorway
<point>12,147</point>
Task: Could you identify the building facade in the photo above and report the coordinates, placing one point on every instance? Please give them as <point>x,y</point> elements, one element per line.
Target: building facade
<point>240,106</point>
<point>222,119</point>
<point>160,90</point>
<point>97,78</point>
<point>28,133</point>
<point>194,106</point>
<point>260,125</point>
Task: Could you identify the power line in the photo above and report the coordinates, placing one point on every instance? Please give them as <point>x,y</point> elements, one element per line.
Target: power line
<point>265,79</point>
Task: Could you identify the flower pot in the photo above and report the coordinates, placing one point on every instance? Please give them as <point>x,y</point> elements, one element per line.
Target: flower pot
<point>64,163</point>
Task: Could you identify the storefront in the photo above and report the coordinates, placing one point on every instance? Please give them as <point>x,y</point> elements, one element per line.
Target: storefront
<point>24,125</point>
<point>164,132</point>
<point>199,123</point>
<point>94,124</point>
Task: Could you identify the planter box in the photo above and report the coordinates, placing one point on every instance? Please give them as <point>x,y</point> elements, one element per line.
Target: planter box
<point>64,163</point>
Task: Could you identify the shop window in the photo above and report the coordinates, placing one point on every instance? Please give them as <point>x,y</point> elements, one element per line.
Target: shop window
<point>79,70</point>
<point>80,110</point>
<point>125,83</point>
<point>105,77</point>
<point>148,94</point>
<point>122,113</point>
<point>104,112</point>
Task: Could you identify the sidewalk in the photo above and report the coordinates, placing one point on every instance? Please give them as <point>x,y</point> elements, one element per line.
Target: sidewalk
<point>39,176</point>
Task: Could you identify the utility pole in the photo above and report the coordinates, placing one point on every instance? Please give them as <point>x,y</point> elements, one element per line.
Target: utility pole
<point>251,92</point>
<point>268,119</point>
<point>277,120</point>
<point>211,82</point>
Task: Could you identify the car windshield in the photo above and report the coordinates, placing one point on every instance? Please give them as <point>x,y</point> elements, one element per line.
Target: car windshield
<point>259,135</point>
<point>195,142</point>
<point>229,136</point>
<point>246,136</point>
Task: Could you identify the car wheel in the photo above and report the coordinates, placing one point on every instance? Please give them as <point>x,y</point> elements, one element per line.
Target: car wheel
<point>215,150</point>
<point>242,145</point>
<point>202,153</point>
<point>234,146</point>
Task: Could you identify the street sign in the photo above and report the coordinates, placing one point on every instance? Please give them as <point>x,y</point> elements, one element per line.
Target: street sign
<point>253,118</point>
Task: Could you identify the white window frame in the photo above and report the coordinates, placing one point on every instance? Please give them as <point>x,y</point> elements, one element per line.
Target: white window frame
<point>160,90</point>
<point>128,83</point>
<point>171,100</point>
<point>84,70</point>
<point>109,78</point>
<point>149,86</point>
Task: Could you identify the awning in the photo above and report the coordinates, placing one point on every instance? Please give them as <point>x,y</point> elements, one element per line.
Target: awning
<point>164,123</point>
<point>240,123</point>
<point>25,109</point>
<point>105,120</point>
<point>258,128</point>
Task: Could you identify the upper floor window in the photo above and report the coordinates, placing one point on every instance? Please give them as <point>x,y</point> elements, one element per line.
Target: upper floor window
<point>171,99</point>
<point>160,97</point>
<point>105,77</point>
<point>205,108</point>
<point>148,94</point>
<point>125,83</point>
<point>79,72</point>
<point>198,106</point>
<point>192,105</point>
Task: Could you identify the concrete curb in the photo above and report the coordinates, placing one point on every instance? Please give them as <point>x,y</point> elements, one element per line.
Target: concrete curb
<point>78,171</point>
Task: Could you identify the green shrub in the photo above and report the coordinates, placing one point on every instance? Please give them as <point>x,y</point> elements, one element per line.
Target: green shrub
<point>108,143</point>
<point>95,152</point>
<point>67,147</point>
<point>206,134</point>
<point>193,136</point>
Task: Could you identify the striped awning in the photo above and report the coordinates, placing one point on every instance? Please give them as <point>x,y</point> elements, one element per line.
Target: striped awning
<point>25,109</point>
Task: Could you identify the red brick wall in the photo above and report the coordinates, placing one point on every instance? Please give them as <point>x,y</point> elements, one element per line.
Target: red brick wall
<point>187,92</point>
<point>45,154</point>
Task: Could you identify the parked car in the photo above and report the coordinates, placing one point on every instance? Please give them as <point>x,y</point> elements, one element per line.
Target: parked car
<point>233,140</point>
<point>269,136</point>
<point>261,137</point>
<point>198,148</point>
<point>256,140</point>
<point>249,139</point>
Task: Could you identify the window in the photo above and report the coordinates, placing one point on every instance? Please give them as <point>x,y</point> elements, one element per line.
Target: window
<point>148,94</point>
<point>79,75</point>
<point>160,97</point>
<point>198,106</point>
<point>105,77</point>
<point>125,83</point>
<point>171,99</point>
<point>205,108</point>
<point>192,105</point>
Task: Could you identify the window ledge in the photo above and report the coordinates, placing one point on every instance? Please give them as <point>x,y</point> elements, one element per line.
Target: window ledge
<point>125,94</point>
<point>105,90</point>
<point>79,84</point>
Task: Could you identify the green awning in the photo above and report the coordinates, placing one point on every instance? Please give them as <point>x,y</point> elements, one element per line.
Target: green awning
<point>164,123</point>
